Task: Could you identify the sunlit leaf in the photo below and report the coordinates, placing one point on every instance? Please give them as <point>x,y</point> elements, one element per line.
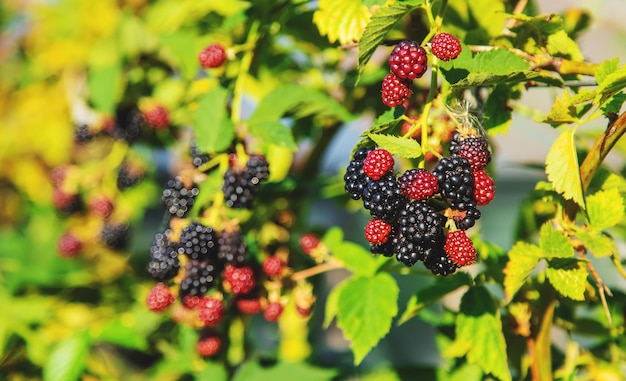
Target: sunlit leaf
<point>273,132</point>
<point>68,359</point>
<point>553,243</point>
<point>214,129</point>
<point>560,44</point>
<point>562,110</point>
<point>568,276</point>
<point>341,20</point>
<point>523,258</point>
<point>283,370</point>
<point>366,307</point>
<point>331,309</point>
<point>605,209</point>
<point>562,168</point>
<point>396,145</point>
<point>598,244</point>
<point>355,258</point>
<point>479,334</point>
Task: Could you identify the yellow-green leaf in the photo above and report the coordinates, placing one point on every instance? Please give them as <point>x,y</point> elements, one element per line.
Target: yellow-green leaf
<point>568,276</point>
<point>523,258</point>
<point>367,306</point>
<point>553,243</point>
<point>341,20</point>
<point>605,209</point>
<point>562,110</point>
<point>68,359</point>
<point>562,168</point>
<point>408,148</point>
<point>598,244</point>
<point>332,303</point>
<point>479,334</point>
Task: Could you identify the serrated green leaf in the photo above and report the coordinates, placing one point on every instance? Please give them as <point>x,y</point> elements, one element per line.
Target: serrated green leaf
<point>273,132</point>
<point>523,258</point>
<point>612,83</point>
<point>545,24</point>
<point>562,168</point>
<point>367,306</point>
<point>568,276</point>
<point>381,22</point>
<point>614,103</point>
<point>283,370</point>
<point>213,128</point>
<point>605,68</point>
<point>396,145</point>
<point>303,101</point>
<point>341,20</point>
<point>67,360</point>
<point>562,110</point>
<point>582,96</point>
<point>553,243</point>
<point>497,111</point>
<point>605,209</point>
<point>356,258</point>
<point>474,79</point>
<point>598,244</point>
<point>433,293</point>
<point>332,303</point>
<point>560,44</point>
<point>479,334</point>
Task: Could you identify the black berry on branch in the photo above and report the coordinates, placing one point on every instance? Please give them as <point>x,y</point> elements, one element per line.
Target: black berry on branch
<point>438,262</point>
<point>355,179</point>
<point>199,278</point>
<point>383,198</point>
<point>115,235</point>
<point>164,263</point>
<point>456,181</point>
<point>212,56</point>
<point>177,198</point>
<point>459,247</point>
<point>467,218</point>
<point>128,123</point>
<point>408,251</point>
<point>128,175</point>
<point>66,203</point>
<point>387,248</point>
<point>198,242</point>
<point>418,184</point>
<point>474,148</point>
<point>395,91</point>
<point>83,134</point>
<point>241,186</point>
<point>420,222</point>
<point>445,46</point>
<point>232,248</point>
<point>378,163</point>
<point>257,168</point>
<point>198,158</point>
<point>408,60</point>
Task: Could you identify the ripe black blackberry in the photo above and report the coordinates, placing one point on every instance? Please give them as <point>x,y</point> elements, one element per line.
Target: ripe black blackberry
<point>474,148</point>
<point>198,242</point>
<point>241,186</point>
<point>420,221</point>
<point>128,123</point>
<point>383,198</point>
<point>164,263</point>
<point>386,249</point>
<point>471,214</point>
<point>198,158</point>
<point>83,134</point>
<point>232,248</point>
<point>355,179</point>
<point>128,175</point>
<point>408,251</point>
<point>456,182</point>
<point>199,278</point>
<point>438,262</point>
<point>115,235</point>
<point>177,198</point>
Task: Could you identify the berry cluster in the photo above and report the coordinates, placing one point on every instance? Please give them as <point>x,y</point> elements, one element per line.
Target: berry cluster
<point>242,183</point>
<point>422,215</point>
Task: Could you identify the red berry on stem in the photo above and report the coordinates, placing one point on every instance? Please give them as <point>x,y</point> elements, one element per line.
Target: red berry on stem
<point>157,117</point>
<point>418,184</point>
<point>377,231</point>
<point>395,90</point>
<point>484,189</point>
<point>408,60</point>
<point>208,344</point>
<point>69,246</point>
<point>460,248</point>
<point>249,305</point>
<point>210,311</point>
<point>273,266</point>
<point>309,242</point>
<point>273,311</point>
<point>101,206</point>
<point>212,56</point>
<point>445,46</point>
<point>378,163</point>
<point>238,280</point>
<point>159,298</point>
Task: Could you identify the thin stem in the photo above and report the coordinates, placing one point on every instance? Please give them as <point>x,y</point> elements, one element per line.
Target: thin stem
<point>315,270</point>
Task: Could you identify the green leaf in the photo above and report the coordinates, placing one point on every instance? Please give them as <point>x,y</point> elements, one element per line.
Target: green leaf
<point>341,20</point>
<point>213,128</point>
<point>562,110</point>
<point>613,83</point>
<point>562,168</point>
<point>479,334</point>
<point>182,51</point>
<point>332,303</point>
<point>303,101</point>
<point>212,370</point>
<point>116,332</point>
<point>568,276</point>
<point>605,209</point>
<point>605,68</point>
<point>614,103</point>
<point>283,370</point>
<point>68,359</point>
<point>367,306</point>
<point>273,132</point>
<point>382,22</point>
<point>433,293</point>
<point>553,243</point>
<point>598,244</point>
<point>104,87</point>
<point>560,44</point>
<point>474,79</point>
<point>356,258</point>
<point>497,110</point>
<point>396,145</point>
<point>490,67</point>
<point>523,258</point>
<point>333,237</point>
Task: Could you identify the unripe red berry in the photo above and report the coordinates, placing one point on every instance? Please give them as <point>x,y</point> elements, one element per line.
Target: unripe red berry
<point>445,46</point>
<point>212,56</point>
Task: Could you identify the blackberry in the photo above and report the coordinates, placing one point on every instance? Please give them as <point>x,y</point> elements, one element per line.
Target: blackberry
<point>456,181</point>
<point>198,242</point>
<point>232,248</point>
<point>418,184</point>
<point>128,123</point>
<point>199,278</point>
<point>474,148</point>
<point>386,249</point>
<point>438,262</point>
<point>115,235</point>
<point>355,179</point>
<point>241,187</point>
<point>177,198</point>
<point>408,251</point>
<point>382,198</point>
<point>395,91</point>
<point>66,203</point>
<point>198,158</point>
<point>257,169</point>
<point>420,222</point>
<point>83,134</point>
<point>445,46</point>
<point>467,218</point>
<point>164,263</point>
<point>128,175</point>
<point>212,56</point>
<point>408,60</point>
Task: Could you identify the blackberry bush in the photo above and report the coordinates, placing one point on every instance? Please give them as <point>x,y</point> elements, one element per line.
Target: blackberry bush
<point>178,198</point>
<point>199,242</point>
